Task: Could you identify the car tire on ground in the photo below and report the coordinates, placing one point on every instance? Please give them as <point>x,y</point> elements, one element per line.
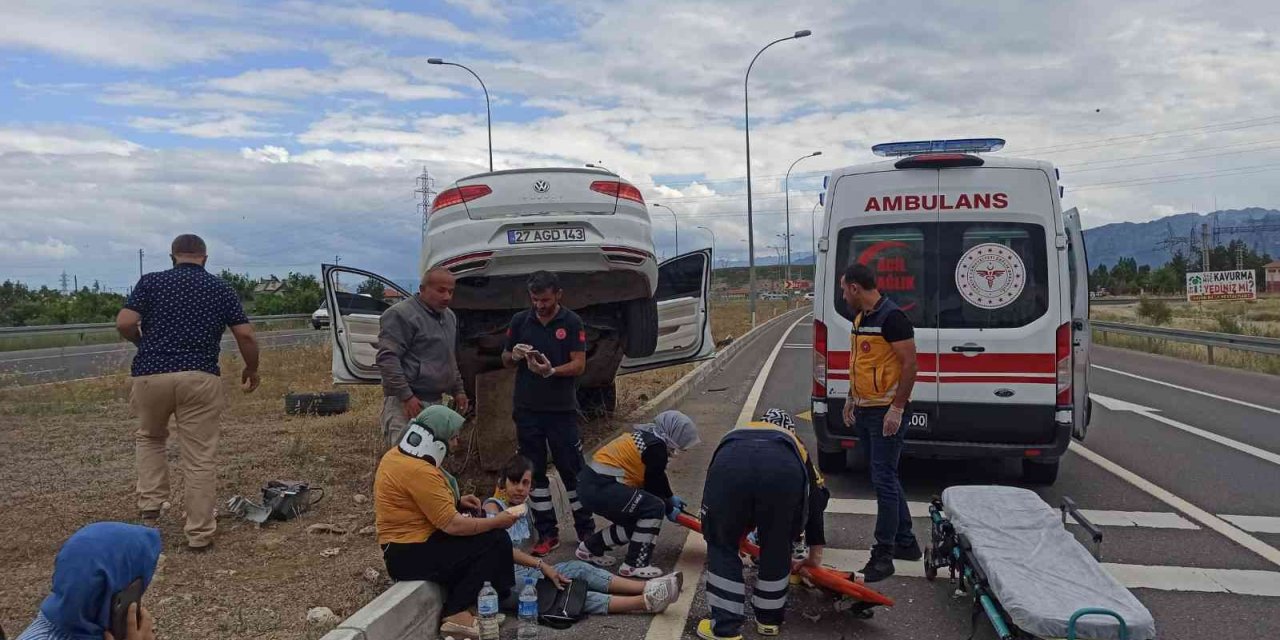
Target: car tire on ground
<point>1040,473</point>
<point>832,461</point>
<point>324,403</point>
<point>641,330</point>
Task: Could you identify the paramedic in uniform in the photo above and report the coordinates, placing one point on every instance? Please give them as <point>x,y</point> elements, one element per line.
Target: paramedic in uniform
<point>548,345</point>
<point>760,476</point>
<point>626,482</point>
<point>882,371</point>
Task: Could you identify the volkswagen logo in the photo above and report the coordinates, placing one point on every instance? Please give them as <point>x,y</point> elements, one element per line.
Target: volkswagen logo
<point>541,186</point>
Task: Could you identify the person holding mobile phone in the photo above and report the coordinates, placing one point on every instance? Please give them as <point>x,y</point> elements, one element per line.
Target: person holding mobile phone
<point>548,346</point>
<point>99,578</point>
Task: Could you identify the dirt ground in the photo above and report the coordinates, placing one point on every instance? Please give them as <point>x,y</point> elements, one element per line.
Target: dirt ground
<point>68,461</point>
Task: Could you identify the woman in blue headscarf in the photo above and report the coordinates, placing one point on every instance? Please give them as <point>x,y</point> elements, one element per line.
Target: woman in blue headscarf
<point>94,564</point>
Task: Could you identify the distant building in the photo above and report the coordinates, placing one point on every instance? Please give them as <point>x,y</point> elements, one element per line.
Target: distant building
<point>391,295</point>
<point>1273,277</point>
<point>269,286</point>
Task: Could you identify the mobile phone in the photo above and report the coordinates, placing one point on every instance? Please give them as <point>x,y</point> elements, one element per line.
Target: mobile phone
<point>120,609</point>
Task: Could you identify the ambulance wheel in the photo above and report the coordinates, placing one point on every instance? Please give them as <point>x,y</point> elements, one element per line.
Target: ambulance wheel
<point>1039,473</point>
<point>832,461</point>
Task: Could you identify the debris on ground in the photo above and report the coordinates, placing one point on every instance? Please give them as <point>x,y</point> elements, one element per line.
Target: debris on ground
<point>372,575</point>
<point>360,498</point>
<point>323,527</point>
<point>323,615</point>
<point>369,530</point>
<point>331,553</point>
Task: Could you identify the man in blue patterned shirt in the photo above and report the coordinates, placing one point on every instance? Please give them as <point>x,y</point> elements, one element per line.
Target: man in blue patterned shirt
<point>176,318</point>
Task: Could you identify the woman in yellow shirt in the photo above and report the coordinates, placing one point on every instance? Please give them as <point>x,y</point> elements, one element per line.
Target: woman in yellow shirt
<point>423,530</point>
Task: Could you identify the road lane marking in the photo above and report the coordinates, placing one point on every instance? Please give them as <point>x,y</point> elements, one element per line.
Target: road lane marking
<point>1255,524</point>
<point>694,552</point>
<point>1100,517</point>
<point>1188,389</point>
<point>1114,404</point>
<point>1195,513</point>
<point>1249,582</point>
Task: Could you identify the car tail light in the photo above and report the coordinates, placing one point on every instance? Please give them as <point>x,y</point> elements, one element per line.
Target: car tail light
<point>458,195</point>
<point>467,262</point>
<point>617,189</point>
<point>819,359</point>
<point>1064,364</point>
<point>626,255</point>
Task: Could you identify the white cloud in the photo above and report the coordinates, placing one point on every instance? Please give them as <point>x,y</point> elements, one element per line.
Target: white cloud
<point>300,82</point>
<point>62,141</point>
<point>484,9</point>
<point>233,125</point>
<point>49,249</point>
<point>132,94</point>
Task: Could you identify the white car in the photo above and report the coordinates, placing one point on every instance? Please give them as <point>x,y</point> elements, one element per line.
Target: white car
<point>590,227</point>
<point>808,297</point>
<point>320,318</point>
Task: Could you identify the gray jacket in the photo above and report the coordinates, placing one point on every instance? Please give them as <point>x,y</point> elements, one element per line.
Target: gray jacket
<point>417,351</point>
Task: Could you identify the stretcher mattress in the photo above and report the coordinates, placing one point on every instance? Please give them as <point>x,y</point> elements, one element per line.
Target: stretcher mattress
<point>1038,572</point>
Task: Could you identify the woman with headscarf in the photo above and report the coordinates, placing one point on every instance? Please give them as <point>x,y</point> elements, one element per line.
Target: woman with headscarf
<point>423,530</point>
<point>95,564</point>
<point>626,482</point>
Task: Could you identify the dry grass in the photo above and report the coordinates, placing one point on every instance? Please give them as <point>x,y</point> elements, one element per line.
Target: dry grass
<point>109,336</point>
<point>1259,318</point>
<point>69,461</point>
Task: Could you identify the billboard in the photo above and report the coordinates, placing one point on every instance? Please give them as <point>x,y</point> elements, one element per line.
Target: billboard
<point>1222,285</point>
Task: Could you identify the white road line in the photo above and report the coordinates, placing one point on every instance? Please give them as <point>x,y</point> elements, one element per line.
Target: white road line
<point>1113,404</point>
<point>1195,513</point>
<point>1256,524</point>
<point>1133,576</point>
<point>1102,518</point>
<point>1188,389</point>
<point>694,553</point>
<point>796,346</point>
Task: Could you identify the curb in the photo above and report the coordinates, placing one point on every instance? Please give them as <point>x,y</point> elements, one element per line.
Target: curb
<point>412,609</point>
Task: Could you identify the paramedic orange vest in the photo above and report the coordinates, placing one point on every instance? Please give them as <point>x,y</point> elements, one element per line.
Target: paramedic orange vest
<point>620,458</point>
<point>874,370</point>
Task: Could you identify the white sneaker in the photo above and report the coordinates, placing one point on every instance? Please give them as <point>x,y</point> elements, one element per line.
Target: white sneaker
<point>639,573</point>
<point>584,554</point>
<point>658,595</point>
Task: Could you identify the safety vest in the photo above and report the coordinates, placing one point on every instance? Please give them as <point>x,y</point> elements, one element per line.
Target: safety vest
<point>873,367</point>
<point>620,458</point>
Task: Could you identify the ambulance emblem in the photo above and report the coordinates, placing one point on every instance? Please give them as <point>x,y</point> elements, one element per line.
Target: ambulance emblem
<point>990,276</point>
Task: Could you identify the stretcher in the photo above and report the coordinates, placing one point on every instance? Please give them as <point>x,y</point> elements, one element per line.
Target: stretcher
<point>1030,576</point>
<point>858,599</point>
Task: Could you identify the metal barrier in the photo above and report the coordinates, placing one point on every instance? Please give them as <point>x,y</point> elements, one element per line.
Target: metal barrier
<point>1210,339</point>
<point>56,329</point>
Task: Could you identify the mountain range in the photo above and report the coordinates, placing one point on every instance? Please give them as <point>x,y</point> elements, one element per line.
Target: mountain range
<point>1141,240</point>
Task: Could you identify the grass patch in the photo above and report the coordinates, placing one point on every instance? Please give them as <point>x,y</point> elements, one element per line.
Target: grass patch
<point>91,337</point>
<point>1246,360</point>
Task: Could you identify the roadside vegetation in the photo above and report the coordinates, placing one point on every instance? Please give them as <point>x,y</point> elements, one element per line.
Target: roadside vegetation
<point>1255,318</point>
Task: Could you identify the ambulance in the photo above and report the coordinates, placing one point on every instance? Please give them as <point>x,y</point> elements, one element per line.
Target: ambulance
<point>992,273</point>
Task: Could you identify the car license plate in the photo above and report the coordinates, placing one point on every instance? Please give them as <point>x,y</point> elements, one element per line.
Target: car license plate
<point>536,236</point>
<point>918,422</point>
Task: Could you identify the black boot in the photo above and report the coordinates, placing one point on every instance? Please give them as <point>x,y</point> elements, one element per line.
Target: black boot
<point>910,552</point>
<point>879,567</point>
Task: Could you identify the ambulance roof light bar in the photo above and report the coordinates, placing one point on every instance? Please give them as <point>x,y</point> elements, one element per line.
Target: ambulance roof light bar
<point>965,145</point>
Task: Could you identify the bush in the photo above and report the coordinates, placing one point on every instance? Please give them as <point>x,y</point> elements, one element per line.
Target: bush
<point>1156,312</point>
<point>1229,323</point>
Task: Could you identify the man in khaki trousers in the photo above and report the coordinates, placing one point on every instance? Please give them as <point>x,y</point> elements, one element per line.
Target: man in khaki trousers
<point>176,318</point>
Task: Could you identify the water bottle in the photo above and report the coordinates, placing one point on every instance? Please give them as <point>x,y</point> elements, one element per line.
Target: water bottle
<point>488,608</point>
<point>528,612</point>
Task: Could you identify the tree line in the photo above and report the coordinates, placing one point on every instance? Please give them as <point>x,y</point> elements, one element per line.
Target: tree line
<point>22,306</point>
<point>1125,277</point>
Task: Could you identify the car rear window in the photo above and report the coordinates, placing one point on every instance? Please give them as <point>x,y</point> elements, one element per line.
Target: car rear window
<point>916,266</point>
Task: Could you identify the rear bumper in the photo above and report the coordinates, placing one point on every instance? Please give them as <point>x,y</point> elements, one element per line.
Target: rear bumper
<point>1029,431</point>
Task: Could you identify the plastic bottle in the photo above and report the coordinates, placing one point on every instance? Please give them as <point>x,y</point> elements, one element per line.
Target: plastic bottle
<point>487,606</point>
<point>528,612</point>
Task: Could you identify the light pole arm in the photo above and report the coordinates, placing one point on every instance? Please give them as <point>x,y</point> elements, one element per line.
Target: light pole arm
<point>488,115</point>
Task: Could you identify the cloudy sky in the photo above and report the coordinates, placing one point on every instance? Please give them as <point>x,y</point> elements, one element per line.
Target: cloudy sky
<point>288,133</point>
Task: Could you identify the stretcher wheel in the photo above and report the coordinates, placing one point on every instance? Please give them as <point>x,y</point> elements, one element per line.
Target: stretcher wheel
<point>930,571</point>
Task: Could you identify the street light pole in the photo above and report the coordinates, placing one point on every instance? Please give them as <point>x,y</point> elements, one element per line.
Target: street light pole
<point>677,221</point>
<point>488,115</point>
<point>787,189</point>
<point>813,234</point>
<point>713,238</point>
<point>746,126</point>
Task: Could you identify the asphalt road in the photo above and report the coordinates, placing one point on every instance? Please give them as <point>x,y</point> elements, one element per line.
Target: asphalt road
<point>36,366</point>
<point>1196,581</point>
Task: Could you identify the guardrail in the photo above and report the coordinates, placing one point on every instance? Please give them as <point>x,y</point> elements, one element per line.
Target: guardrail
<point>1209,339</point>
<point>57,329</point>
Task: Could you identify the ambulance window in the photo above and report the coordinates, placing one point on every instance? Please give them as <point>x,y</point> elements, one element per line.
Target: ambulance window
<point>992,275</point>
<point>900,255</point>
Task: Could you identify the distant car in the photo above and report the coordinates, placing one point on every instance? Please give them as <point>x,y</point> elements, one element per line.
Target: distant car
<point>320,318</point>
<point>773,296</point>
<point>808,297</point>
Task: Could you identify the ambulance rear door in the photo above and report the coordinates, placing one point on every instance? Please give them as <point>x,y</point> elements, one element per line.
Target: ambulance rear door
<point>998,300</point>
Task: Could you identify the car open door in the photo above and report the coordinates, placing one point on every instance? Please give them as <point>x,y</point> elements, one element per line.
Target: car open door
<point>684,326</point>
<point>354,320</point>
<point>1081,332</point>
